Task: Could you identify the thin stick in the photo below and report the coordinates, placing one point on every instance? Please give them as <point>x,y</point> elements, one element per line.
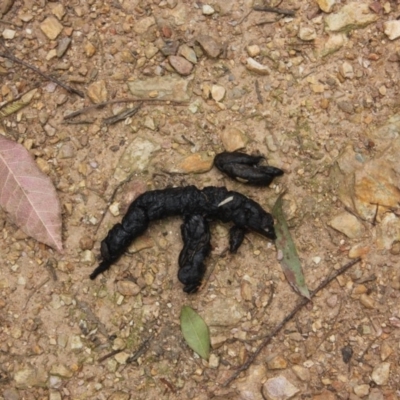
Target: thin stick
<point>125,100</point>
<point>35,290</point>
<point>274,10</point>
<point>113,353</point>
<point>39,72</point>
<point>122,115</point>
<point>280,326</point>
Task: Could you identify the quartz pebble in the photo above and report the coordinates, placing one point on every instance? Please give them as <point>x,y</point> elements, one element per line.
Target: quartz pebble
<point>207,9</point>
<point>233,139</point>
<point>217,92</point>
<point>326,5</point>
<point>253,50</point>
<point>380,374</point>
<point>392,29</point>
<point>97,92</point>
<point>347,224</point>
<point>255,66</point>
<point>279,388</point>
<point>8,34</point>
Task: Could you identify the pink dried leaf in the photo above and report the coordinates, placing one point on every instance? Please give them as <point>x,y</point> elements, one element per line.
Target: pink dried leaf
<point>28,195</point>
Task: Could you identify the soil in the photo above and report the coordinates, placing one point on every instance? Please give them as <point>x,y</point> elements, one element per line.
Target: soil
<point>63,336</point>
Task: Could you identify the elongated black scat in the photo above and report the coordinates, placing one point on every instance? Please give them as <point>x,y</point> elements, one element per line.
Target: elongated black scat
<point>196,238</point>
<point>245,168</point>
<point>210,203</point>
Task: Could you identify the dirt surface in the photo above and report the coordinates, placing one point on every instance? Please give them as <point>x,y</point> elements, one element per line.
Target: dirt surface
<point>313,94</point>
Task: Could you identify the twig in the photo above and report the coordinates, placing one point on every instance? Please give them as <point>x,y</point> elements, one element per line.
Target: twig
<point>35,290</point>
<point>279,327</point>
<point>113,353</point>
<point>39,72</point>
<point>126,100</point>
<point>122,115</point>
<point>274,10</point>
<point>141,350</point>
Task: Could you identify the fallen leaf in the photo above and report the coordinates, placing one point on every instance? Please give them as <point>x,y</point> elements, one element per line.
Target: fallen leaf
<point>195,331</point>
<point>16,105</point>
<point>289,258</point>
<point>28,195</point>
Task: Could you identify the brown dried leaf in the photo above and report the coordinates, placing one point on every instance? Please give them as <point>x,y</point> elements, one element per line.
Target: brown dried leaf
<point>28,195</point>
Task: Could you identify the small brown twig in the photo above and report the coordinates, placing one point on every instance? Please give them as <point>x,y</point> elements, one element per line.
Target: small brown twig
<point>122,115</point>
<point>112,353</point>
<point>304,301</point>
<point>34,291</point>
<point>274,10</point>
<point>258,92</point>
<point>140,351</point>
<point>39,72</point>
<point>125,100</point>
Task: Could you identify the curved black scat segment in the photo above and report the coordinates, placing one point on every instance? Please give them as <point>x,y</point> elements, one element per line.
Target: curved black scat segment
<point>212,203</point>
<point>196,247</point>
<point>244,167</point>
<point>236,237</point>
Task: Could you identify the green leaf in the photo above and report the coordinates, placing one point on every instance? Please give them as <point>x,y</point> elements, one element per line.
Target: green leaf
<point>195,331</point>
<point>289,259</point>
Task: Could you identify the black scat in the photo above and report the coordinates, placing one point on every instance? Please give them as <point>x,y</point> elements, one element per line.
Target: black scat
<point>246,168</point>
<point>210,203</point>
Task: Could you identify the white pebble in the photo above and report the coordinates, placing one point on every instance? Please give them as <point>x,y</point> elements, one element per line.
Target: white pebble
<point>9,34</point>
<point>207,10</point>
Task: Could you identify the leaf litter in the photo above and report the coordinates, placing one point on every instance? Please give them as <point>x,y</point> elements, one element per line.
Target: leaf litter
<point>28,195</point>
<point>289,258</point>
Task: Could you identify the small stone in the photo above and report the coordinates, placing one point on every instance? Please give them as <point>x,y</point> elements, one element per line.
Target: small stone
<point>54,395</point>
<point>8,34</point>
<point>277,362</point>
<point>346,70</point>
<point>392,29</point>
<point>253,65</point>
<point>302,373</point>
<point>213,361</point>
<point>149,123</point>
<point>75,342</point>
<point>50,131</point>
<point>97,92</point>
<point>246,291</point>
<point>90,49</point>
<point>209,45</point>
<point>329,46</point>
<point>51,27</point>
<point>326,5</point>
<point>58,10</point>
<point>150,51</point>
<point>26,378</point>
<point>346,106</point>
<point>325,395</point>
<point>351,16</point>
<point>386,351</point>
<point>347,224</point>
<point>253,50</point>
<point>307,33</point>
<point>128,288</point>
<point>88,257</point>
<point>207,10</point>
<point>196,163</point>
<point>361,390</point>
<point>318,88</point>
<point>136,158</point>
<point>376,394</point>
<point>188,53</point>
<point>67,150</point>
<point>380,374</point>
<point>233,139</point>
<point>382,90</point>
<point>279,388</point>
<point>114,209</point>
<point>163,88</point>
<point>217,92</point>
<point>367,301</point>
<point>181,65</point>
<point>62,47</point>
<point>61,371</point>
<point>122,357</point>
<point>332,301</point>
<point>224,312</point>
<point>11,394</point>
<point>143,25</point>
